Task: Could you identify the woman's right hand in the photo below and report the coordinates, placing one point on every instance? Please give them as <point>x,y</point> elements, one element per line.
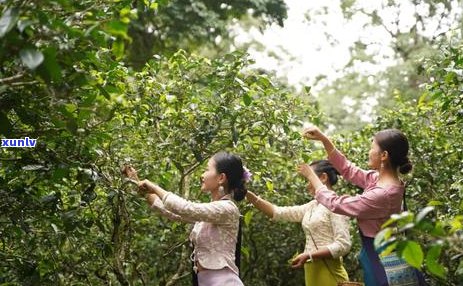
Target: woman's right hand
<point>313,133</point>
<point>299,261</point>
<point>130,172</point>
<point>146,187</point>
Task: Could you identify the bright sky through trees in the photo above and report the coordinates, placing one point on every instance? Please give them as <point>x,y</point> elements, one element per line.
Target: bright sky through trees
<point>316,38</point>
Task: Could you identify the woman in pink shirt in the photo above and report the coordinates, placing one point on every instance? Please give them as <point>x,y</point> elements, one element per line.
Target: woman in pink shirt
<point>216,223</point>
<point>382,195</point>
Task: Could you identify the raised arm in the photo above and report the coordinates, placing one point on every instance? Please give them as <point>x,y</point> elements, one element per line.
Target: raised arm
<point>149,192</point>
<point>150,187</point>
<point>374,204</point>
<point>314,133</point>
<point>290,213</point>
<point>347,169</point>
<point>350,172</point>
<point>156,205</point>
<point>306,171</point>
<point>217,212</point>
<point>264,206</point>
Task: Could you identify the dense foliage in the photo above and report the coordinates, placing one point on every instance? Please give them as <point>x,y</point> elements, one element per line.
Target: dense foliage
<point>66,215</point>
<point>429,234</point>
<point>434,231</point>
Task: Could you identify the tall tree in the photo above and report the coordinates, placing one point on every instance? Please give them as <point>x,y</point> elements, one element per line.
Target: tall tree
<point>65,217</point>
<point>191,24</point>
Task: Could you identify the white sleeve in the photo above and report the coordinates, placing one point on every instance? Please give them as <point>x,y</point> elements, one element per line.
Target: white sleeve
<point>292,214</point>
<point>341,236</point>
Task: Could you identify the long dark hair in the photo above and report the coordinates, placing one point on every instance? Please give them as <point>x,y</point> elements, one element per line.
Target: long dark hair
<point>232,166</point>
<point>324,166</point>
<point>396,144</point>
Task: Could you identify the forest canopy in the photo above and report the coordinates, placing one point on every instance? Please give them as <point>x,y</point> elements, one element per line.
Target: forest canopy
<point>103,83</point>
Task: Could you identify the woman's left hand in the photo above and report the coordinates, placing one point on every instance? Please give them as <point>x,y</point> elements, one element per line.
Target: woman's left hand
<point>145,187</point>
<point>299,261</point>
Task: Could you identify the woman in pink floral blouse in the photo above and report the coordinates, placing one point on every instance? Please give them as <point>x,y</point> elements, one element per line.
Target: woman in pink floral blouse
<point>382,195</point>
<point>216,223</point>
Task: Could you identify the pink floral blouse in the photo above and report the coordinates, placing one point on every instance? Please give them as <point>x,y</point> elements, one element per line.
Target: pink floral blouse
<point>371,208</point>
<point>215,232</point>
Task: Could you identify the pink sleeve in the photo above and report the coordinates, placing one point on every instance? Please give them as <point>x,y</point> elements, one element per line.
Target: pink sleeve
<point>350,172</point>
<point>369,205</point>
<point>159,207</point>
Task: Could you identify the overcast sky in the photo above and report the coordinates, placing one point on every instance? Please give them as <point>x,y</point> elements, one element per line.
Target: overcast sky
<point>308,48</point>
<point>305,48</point>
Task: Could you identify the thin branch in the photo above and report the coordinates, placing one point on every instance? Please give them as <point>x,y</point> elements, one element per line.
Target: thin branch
<point>24,83</point>
<point>381,23</point>
<point>192,168</point>
<point>10,159</point>
<point>181,268</point>
<point>169,251</point>
<point>11,78</point>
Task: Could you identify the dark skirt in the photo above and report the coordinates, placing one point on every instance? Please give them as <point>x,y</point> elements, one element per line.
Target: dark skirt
<point>373,270</point>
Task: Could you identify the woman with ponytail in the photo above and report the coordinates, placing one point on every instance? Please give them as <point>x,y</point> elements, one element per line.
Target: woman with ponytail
<point>327,234</point>
<point>216,223</point>
<point>382,196</point>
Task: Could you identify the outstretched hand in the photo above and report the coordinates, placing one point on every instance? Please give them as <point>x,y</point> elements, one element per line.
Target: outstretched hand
<point>130,172</point>
<point>145,185</point>
<point>313,133</point>
<point>304,170</point>
<point>132,175</point>
<point>299,261</point>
